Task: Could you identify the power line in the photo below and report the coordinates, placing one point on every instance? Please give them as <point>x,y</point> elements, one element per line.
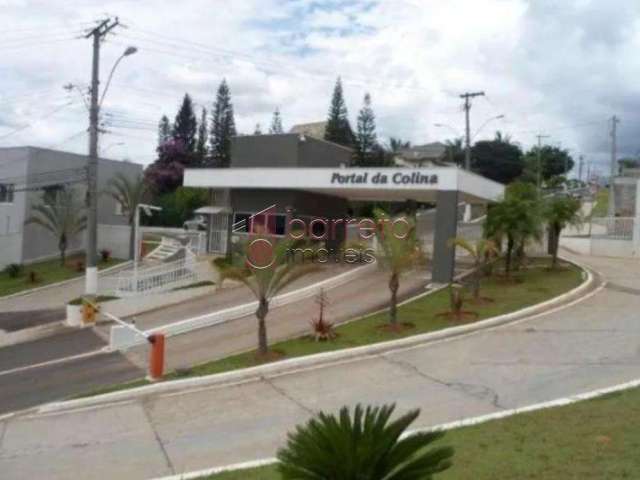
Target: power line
<point>29,125</point>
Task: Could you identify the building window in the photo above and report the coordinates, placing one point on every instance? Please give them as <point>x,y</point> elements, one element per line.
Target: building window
<point>6,192</point>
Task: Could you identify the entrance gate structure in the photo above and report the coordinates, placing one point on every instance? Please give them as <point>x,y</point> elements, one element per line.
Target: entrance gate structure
<point>250,190</point>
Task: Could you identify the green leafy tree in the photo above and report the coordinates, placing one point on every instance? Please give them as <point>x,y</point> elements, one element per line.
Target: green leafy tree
<point>365,444</point>
<point>276,123</point>
<point>186,125</point>
<point>482,250</point>
<point>454,151</point>
<point>129,193</point>
<point>338,128</point>
<point>366,139</point>
<point>203,138</point>
<point>559,212</point>
<point>178,206</point>
<point>223,127</point>
<point>497,159</point>
<point>554,161</point>
<point>63,218</point>
<point>164,131</point>
<point>516,218</point>
<point>398,252</point>
<point>266,283</point>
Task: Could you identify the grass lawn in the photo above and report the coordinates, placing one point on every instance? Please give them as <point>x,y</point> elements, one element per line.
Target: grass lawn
<point>601,208</point>
<point>591,440</point>
<point>534,285</point>
<point>47,272</point>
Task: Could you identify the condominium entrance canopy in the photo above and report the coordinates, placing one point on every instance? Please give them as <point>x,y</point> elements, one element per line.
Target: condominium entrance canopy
<point>363,184</point>
<point>324,192</point>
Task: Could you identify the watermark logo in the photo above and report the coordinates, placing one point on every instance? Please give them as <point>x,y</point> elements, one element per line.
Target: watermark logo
<point>304,234</point>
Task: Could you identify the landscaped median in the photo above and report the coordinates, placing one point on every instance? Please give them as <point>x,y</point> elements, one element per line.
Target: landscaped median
<point>590,440</point>
<point>22,278</point>
<point>529,286</point>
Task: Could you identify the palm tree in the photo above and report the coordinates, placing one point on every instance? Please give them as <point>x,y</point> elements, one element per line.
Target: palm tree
<point>363,445</point>
<point>516,217</point>
<point>62,217</point>
<point>481,251</point>
<point>397,252</point>
<point>129,194</point>
<point>560,211</point>
<point>265,283</point>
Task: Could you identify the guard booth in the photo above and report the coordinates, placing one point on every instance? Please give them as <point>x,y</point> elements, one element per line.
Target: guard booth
<point>281,174</point>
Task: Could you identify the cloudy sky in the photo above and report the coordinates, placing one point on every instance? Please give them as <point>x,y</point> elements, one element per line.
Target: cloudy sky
<point>559,68</point>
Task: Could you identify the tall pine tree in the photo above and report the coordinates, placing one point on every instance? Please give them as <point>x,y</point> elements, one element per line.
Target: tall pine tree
<point>186,125</point>
<point>203,137</point>
<point>223,127</point>
<point>164,131</point>
<point>366,140</point>
<point>276,123</point>
<point>338,129</point>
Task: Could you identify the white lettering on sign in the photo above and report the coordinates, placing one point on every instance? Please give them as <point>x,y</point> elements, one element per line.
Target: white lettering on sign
<point>380,178</point>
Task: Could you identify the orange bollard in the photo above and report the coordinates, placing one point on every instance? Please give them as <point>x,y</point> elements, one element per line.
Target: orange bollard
<point>156,356</point>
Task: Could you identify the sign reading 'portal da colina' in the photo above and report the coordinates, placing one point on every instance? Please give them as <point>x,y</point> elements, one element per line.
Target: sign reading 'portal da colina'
<point>382,178</point>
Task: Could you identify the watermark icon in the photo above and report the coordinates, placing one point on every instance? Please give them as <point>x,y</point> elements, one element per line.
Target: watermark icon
<point>304,235</point>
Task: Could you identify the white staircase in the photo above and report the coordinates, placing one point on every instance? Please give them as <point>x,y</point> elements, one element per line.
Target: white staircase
<point>168,247</point>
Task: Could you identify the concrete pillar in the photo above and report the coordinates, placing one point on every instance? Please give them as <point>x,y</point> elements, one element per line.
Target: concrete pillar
<point>444,255</point>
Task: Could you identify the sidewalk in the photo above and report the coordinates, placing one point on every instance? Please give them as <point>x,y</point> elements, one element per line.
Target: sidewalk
<point>589,345</point>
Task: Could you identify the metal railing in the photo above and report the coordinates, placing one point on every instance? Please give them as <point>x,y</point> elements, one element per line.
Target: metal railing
<point>617,228</point>
<point>154,279</point>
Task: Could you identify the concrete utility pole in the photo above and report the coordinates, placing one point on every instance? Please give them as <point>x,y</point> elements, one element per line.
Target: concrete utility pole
<point>539,181</point>
<point>91,273</point>
<point>467,107</point>
<point>580,165</point>
<point>614,164</point>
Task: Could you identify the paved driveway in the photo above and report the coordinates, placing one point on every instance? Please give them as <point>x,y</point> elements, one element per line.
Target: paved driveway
<point>590,345</point>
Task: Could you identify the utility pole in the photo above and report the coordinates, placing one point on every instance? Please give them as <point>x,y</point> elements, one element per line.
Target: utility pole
<point>614,123</point>
<point>580,165</point>
<point>539,180</point>
<point>91,273</point>
<point>467,107</point>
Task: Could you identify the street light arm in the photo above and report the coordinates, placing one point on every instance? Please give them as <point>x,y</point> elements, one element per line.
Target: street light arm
<point>126,53</point>
<point>106,87</point>
<point>441,125</point>
<point>485,124</point>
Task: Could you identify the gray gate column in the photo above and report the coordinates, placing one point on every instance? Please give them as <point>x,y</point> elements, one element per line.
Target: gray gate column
<point>445,229</point>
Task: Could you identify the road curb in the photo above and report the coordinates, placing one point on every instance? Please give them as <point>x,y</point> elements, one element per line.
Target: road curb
<point>465,422</point>
<point>588,287</point>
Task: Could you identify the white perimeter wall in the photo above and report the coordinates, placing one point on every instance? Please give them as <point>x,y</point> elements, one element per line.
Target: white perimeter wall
<point>114,238</point>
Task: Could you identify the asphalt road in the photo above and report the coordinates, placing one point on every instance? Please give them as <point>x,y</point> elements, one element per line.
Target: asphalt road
<point>588,345</point>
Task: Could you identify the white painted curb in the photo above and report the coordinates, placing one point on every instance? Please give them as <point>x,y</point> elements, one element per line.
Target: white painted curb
<point>289,366</point>
<point>465,422</point>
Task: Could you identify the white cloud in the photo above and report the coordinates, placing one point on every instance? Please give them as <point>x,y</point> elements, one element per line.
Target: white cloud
<point>556,67</point>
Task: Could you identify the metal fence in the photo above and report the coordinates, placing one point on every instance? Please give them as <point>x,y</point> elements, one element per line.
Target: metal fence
<point>145,280</point>
<point>617,228</point>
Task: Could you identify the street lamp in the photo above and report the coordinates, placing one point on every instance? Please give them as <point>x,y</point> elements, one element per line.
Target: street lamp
<point>498,117</point>
<point>128,51</point>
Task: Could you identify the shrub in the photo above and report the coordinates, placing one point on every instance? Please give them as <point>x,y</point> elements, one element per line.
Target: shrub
<point>13,270</point>
<point>364,444</point>
<point>34,277</point>
<point>105,253</point>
